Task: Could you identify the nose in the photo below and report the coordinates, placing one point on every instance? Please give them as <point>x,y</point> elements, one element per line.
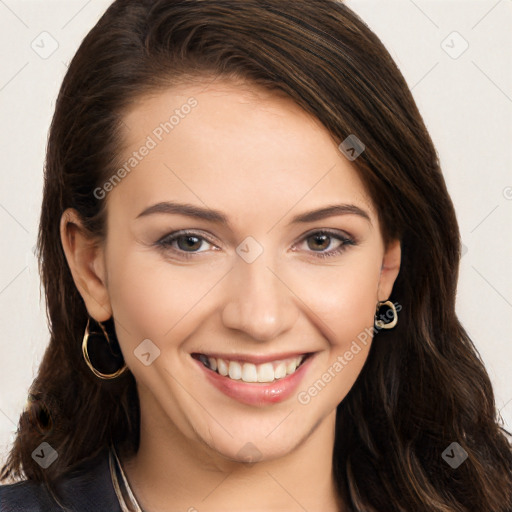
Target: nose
<point>259,301</point>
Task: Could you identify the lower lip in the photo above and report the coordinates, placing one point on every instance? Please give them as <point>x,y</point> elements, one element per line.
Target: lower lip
<point>257,393</point>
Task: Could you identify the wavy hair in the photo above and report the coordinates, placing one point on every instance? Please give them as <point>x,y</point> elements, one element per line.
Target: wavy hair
<point>423,385</point>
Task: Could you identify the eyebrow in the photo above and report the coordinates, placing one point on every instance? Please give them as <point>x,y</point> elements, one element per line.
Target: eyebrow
<point>211,215</point>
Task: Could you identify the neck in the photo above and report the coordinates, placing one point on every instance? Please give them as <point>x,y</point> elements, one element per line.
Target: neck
<point>171,471</point>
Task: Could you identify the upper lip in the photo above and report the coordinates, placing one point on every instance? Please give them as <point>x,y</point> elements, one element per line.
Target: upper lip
<point>254,358</point>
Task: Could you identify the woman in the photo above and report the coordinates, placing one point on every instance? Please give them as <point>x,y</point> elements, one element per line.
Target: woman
<point>250,260</point>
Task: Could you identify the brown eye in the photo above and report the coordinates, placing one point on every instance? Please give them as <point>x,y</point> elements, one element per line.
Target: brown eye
<point>191,242</point>
<point>184,244</point>
<point>319,241</point>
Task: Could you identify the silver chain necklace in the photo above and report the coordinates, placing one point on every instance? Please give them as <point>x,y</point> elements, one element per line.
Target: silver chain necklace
<point>115,467</point>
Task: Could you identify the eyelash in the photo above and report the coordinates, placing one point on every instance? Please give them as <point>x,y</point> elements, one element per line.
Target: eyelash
<point>169,239</point>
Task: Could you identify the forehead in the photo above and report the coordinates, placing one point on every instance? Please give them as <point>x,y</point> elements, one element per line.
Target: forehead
<point>231,145</point>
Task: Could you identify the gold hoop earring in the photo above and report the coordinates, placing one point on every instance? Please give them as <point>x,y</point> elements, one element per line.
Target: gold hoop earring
<point>85,352</point>
<point>379,323</point>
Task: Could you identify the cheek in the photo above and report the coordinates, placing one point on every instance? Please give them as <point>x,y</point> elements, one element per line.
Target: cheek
<point>160,300</point>
<point>342,298</point>
<point>155,299</point>
<point>345,306</point>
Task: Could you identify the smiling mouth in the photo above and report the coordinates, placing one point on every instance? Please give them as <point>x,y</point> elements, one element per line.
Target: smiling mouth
<point>248,372</point>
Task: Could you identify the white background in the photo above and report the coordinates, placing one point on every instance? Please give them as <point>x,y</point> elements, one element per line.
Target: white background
<point>466,103</point>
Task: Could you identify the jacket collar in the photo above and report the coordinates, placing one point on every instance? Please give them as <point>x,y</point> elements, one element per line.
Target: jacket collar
<point>89,487</point>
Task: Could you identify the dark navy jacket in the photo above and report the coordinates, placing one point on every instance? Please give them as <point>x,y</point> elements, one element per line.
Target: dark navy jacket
<point>87,489</point>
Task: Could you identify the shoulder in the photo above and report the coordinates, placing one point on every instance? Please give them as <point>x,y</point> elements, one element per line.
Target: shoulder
<point>26,496</point>
<point>88,488</point>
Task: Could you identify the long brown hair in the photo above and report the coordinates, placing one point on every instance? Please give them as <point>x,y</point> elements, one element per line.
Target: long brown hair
<point>423,385</point>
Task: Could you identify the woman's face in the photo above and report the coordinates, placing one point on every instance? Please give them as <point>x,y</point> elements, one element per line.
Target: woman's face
<point>253,281</point>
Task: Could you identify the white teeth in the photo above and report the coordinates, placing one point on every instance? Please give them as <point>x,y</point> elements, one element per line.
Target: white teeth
<point>291,367</point>
<point>248,372</point>
<point>235,370</point>
<point>265,372</point>
<point>280,371</point>
<point>222,367</point>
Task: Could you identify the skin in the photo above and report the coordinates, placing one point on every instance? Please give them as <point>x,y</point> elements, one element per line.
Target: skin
<point>260,159</point>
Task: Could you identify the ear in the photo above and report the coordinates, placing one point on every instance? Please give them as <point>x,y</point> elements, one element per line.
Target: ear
<point>85,257</point>
<point>389,270</point>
